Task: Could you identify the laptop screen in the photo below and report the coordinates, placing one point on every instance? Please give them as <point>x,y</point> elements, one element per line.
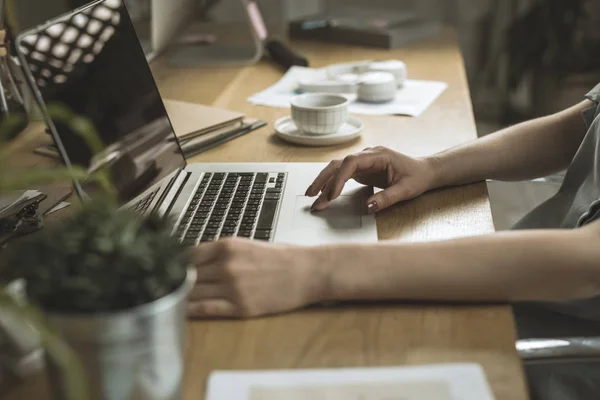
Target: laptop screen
<point>92,63</point>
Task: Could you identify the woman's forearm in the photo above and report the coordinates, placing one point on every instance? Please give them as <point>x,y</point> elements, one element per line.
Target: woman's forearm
<point>525,151</point>
<point>524,265</point>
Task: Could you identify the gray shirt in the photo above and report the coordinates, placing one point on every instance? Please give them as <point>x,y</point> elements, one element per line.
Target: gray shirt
<point>576,203</point>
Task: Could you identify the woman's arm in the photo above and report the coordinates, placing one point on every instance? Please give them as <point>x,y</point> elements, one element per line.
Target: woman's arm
<point>518,265</point>
<point>240,278</point>
<point>525,151</point>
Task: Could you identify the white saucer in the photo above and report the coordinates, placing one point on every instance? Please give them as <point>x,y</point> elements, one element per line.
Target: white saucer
<point>287,130</point>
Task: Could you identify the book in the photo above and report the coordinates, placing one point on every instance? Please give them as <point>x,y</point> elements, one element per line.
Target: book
<point>211,140</point>
<point>190,120</point>
<point>362,27</point>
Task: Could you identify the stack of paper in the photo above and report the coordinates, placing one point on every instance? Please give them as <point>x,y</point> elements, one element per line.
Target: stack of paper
<point>431,382</point>
<point>412,99</point>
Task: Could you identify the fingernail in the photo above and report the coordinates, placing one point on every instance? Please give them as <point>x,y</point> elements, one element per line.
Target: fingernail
<point>372,207</point>
<point>307,190</point>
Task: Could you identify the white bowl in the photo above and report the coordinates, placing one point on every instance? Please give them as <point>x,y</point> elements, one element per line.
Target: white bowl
<point>395,67</point>
<point>318,113</point>
<point>377,87</point>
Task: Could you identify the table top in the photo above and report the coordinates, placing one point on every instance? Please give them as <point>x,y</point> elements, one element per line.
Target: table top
<point>358,335</point>
<point>376,334</point>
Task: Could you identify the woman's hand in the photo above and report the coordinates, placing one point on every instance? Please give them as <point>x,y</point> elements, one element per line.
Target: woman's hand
<point>400,176</point>
<point>243,278</point>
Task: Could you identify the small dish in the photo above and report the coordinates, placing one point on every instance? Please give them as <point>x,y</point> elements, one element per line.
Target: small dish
<point>287,130</point>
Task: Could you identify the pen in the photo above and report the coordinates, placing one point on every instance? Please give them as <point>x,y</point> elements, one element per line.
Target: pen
<point>202,147</point>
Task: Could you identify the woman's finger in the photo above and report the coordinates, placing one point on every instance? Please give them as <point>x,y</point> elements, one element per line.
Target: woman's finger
<point>347,170</point>
<point>322,178</point>
<point>204,253</point>
<point>203,291</point>
<point>211,308</point>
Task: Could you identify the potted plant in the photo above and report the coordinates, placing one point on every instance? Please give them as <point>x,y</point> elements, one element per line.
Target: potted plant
<point>112,285</point>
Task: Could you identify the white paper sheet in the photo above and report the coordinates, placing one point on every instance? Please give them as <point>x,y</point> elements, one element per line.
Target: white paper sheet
<point>412,99</point>
<point>444,382</point>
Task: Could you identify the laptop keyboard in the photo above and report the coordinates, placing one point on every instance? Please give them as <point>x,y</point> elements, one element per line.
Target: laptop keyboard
<point>143,204</point>
<point>232,204</point>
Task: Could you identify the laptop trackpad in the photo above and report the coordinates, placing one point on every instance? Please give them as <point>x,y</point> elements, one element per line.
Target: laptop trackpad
<point>343,213</point>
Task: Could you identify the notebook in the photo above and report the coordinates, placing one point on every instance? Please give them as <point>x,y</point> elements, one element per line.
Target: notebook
<point>190,120</point>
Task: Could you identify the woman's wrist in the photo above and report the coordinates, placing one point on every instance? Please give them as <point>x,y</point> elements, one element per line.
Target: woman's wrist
<point>437,171</point>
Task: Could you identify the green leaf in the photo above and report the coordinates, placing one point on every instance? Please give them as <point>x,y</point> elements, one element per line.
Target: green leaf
<point>55,347</point>
<point>9,125</point>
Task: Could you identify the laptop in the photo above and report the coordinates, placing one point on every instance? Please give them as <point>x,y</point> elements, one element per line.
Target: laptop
<point>91,62</point>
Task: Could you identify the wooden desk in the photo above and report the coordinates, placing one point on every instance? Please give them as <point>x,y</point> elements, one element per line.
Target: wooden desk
<point>373,335</point>
<point>370,335</point>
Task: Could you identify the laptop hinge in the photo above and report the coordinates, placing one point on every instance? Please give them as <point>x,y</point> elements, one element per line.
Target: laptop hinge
<point>171,193</point>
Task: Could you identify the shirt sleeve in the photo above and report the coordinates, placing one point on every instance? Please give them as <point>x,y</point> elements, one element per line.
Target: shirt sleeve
<point>594,94</point>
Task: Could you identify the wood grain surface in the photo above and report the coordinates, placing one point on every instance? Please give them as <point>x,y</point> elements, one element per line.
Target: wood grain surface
<point>351,335</point>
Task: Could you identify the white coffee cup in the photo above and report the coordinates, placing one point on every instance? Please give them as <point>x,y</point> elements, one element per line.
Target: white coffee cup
<point>318,113</point>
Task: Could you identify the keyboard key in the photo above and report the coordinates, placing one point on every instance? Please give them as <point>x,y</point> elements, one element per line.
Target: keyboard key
<point>246,227</point>
<point>245,233</point>
<point>250,213</point>
<point>231,224</point>
<point>253,202</point>
<point>279,185</point>
<point>272,196</point>
<point>207,238</point>
<point>235,210</point>
<point>262,177</point>
<point>192,235</point>
<point>271,180</point>
<point>252,207</point>
<point>257,191</point>
<point>228,229</point>
<point>211,231</point>
<point>219,176</point>
<point>248,220</point>
<point>188,242</point>
<point>262,234</point>
<point>267,214</point>
<point>273,190</point>
<point>227,234</point>
<point>213,225</point>
<point>256,196</point>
